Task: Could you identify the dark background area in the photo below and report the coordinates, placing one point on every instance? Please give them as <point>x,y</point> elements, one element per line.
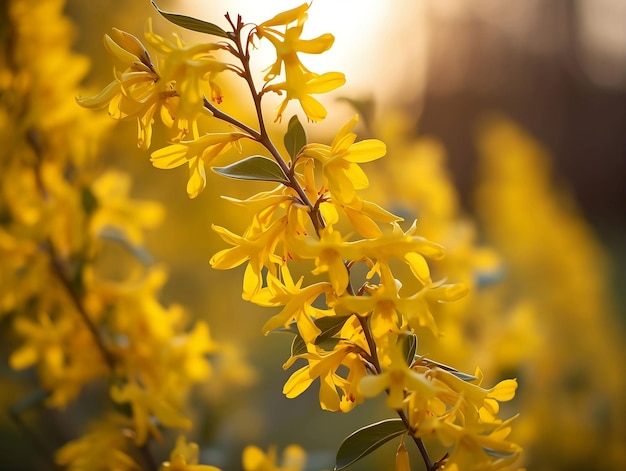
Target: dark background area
<point>541,78</point>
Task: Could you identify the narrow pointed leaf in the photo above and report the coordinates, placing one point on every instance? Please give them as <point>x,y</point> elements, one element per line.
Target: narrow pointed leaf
<point>193,24</point>
<point>409,347</point>
<point>254,168</point>
<point>464,376</point>
<point>113,234</point>
<point>292,328</point>
<point>365,440</point>
<point>295,138</point>
<point>328,344</point>
<point>330,326</point>
<point>497,453</point>
<point>298,346</point>
<point>459,374</point>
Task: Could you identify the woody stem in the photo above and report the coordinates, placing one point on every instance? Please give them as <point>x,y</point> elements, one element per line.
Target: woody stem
<point>262,135</point>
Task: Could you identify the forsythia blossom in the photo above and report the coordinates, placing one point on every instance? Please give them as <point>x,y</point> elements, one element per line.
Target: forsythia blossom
<point>184,457</point>
<point>364,291</point>
<point>300,83</point>
<point>77,284</point>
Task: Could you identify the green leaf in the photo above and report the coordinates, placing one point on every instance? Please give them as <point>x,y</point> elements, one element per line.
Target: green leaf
<point>459,374</point>
<point>88,200</point>
<point>192,24</point>
<point>367,439</point>
<point>254,168</point>
<point>29,401</point>
<point>298,346</point>
<point>364,106</point>
<point>498,454</point>
<point>291,328</point>
<point>328,344</point>
<point>114,235</point>
<point>295,138</point>
<point>464,376</point>
<point>329,326</point>
<point>409,347</point>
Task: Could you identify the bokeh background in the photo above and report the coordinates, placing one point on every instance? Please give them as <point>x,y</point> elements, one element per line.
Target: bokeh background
<point>506,129</point>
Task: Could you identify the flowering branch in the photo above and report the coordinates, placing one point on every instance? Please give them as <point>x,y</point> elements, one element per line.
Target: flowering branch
<point>371,334</point>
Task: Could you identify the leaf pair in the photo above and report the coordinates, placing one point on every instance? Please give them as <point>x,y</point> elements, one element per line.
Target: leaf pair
<point>261,168</point>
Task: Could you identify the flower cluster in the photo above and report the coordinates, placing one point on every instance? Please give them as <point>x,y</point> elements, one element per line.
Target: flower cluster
<point>565,308</point>
<point>369,293</point>
<point>76,282</point>
<point>538,322</point>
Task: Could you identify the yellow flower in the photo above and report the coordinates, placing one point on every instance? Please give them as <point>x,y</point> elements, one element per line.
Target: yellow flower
<point>294,459</point>
<point>389,310</point>
<point>329,252</point>
<point>288,44</point>
<point>297,303</point>
<point>476,447</point>
<point>324,365</point>
<point>63,351</point>
<point>484,401</point>
<point>299,82</point>
<point>45,342</point>
<point>265,205</point>
<point>300,86</point>
<point>187,66</point>
<point>382,303</point>
<point>397,378</point>
<point>114,208</point>
<point>137,91</point>
<point>189,354</point>
<point>362,214</point>
<point>402,457</point>
<point>400,245</point>
<point>184,457</point>
<point>350,387</point>
<point>255,247</point>
<point>148,405</point>
<point>339,162</point>
<point>103,448</point>
<point>197,153</point>
<point>143,88</point>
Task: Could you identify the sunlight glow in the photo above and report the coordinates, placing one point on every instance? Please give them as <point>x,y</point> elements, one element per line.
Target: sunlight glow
<point>372,37</point>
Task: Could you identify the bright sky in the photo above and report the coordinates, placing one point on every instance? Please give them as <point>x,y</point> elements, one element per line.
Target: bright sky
<point>382,45</point>
<point>370,37</point>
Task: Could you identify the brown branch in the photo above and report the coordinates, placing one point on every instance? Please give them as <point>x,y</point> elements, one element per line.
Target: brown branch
<point>262,136</point>
<point>60,272</point>
<point>61,275</point>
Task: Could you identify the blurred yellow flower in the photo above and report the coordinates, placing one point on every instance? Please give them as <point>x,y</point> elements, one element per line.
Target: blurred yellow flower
<point>293,459</point>
<point>184,457</point>
<point>147,406</point>
<point>103,448</point>
<point>113,208</point>
<point>136,92</point>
